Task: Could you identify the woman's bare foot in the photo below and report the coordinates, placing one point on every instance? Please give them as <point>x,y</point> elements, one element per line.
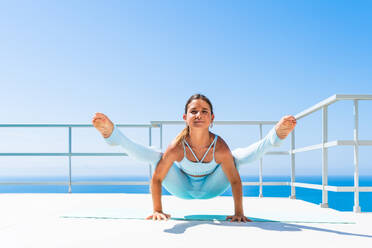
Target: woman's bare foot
<point>103,124</point>
<point>285,126</point>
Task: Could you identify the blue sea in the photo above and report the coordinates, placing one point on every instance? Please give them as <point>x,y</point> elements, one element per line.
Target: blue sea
<point>342,201</point>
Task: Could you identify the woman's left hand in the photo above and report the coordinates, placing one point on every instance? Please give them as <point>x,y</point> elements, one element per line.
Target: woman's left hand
<point>238,218</point>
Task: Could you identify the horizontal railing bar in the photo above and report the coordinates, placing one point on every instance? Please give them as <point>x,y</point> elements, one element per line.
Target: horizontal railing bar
<point>308,185</point>
<point>63,154</point>
<point>34,183</point>
<point>96,154</point>
<point>348,189</point>
<point>352,142</point>
<point>156,123</point>
<point>99,154</point>
<point>277,153</point>
<point>265,183</point>
<point>112,183</point>
<point>308,148</point>
<point>332,144</point>
<point>125,183</point>
<point>332,188</point>
<point>316,107</point>
<point>78,183</point>
<point>353,97</point>
<point>71,125</point>
<point>329,101</point>
<point>296,184</point>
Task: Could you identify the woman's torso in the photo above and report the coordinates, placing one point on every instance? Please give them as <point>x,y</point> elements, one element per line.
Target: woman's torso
<point>199,162</point>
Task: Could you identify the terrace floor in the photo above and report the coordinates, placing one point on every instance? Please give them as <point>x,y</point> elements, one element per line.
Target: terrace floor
<point>117,220</point>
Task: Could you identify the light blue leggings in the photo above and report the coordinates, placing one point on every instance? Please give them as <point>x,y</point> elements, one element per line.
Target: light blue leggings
<point>183,185</point>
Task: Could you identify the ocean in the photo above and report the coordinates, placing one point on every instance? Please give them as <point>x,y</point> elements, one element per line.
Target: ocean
<point>342,201</point>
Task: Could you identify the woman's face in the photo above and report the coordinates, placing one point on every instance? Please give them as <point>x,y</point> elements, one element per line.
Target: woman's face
<point>198,114</point>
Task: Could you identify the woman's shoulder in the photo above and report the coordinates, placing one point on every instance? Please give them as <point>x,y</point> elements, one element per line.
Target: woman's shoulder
<point>222,151</point>
<point>221,147</point>
<point>174,150</point>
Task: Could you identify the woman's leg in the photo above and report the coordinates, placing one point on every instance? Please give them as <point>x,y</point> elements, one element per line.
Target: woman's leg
<point>214,184</point>
<point>176,182</point>
<point>257,150</point>
<point>132,149</point>
<point>217,183</point>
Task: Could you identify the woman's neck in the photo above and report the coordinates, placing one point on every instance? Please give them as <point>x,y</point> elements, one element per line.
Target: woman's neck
<point>199,138</point>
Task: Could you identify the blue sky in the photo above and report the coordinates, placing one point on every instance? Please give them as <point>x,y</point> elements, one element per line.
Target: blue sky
<point>138,61</point>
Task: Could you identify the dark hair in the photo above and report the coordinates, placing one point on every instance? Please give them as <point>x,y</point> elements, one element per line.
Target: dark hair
<point>185,132</point>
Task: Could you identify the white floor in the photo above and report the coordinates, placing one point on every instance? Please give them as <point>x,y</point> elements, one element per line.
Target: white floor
<point>102,220</point>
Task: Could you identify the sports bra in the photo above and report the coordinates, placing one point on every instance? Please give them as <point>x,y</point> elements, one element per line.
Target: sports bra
<point>198,168</point>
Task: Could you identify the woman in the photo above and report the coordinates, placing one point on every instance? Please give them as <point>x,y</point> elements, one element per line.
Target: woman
<point>197,164</point>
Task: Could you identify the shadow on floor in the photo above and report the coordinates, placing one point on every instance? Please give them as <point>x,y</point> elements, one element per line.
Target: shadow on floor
<point>265,224</point>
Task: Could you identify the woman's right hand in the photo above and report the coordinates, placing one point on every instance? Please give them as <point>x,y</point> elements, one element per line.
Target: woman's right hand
<point>159,216</point>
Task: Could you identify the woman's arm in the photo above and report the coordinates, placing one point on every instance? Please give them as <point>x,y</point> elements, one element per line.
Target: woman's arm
<point>162,168</point>
<point>226,160</point>
<point>236,186</point>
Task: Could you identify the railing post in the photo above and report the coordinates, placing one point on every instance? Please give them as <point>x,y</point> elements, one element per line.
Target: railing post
<point>161,136</point>
<point>356,159</point>
<point>69,159</point>
<point>293,166</point>
<point>150,170</point>
<point>324,203</point>
<point>260,170</point>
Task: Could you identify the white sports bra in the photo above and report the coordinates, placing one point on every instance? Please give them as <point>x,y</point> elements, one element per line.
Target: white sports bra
<point>198,168</point>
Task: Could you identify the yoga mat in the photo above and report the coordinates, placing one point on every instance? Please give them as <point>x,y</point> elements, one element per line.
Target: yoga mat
<point>139,214</point>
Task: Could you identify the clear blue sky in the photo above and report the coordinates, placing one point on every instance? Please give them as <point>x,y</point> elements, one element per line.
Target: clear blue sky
<point>137,61</point>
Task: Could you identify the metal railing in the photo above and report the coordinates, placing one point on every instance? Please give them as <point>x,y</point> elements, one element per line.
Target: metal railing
<point>70,154</point>
<point>293,150</point>
<point>327,144</point>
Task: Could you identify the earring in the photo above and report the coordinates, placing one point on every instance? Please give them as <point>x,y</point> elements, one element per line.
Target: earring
<point>211,125</point>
